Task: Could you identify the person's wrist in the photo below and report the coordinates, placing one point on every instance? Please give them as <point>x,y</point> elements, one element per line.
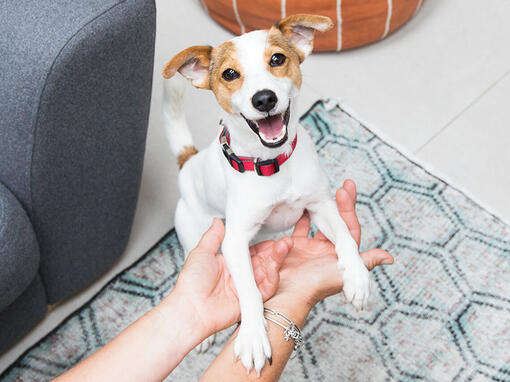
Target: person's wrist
<point>297,295</point>
<point>295,305</point>
<point>181,317</point>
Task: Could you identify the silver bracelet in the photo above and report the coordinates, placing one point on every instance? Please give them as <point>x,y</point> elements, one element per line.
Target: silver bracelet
<point>291,330</point>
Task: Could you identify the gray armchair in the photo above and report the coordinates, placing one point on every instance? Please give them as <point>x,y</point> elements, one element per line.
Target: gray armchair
<point>75,86</point>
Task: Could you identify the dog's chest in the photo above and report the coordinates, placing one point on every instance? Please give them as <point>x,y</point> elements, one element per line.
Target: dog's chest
<point>284,215</point>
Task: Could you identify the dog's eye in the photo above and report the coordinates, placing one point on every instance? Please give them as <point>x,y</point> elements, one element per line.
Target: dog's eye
<point>277,59</point>
<point>230,75</point>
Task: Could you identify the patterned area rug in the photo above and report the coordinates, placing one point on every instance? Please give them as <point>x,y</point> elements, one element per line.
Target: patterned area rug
<point>440,313</point>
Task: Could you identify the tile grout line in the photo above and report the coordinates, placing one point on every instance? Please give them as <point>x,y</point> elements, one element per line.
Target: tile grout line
<point>458,115</point>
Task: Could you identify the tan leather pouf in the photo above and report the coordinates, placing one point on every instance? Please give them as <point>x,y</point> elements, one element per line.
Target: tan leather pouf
<point>357,22</point>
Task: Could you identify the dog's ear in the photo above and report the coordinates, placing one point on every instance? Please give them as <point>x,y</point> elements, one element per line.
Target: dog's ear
<point>300,28</point>
<point>193,63</point>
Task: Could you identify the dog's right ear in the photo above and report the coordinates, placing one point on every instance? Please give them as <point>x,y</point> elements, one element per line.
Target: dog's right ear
<point>193,63</point>
<point>300,28</point>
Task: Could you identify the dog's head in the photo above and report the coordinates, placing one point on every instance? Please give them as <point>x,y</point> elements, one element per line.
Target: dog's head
<point>256,75</point>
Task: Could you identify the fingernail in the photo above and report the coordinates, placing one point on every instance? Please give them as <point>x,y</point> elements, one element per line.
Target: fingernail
<point>270,361</point>
<point>387,262</point>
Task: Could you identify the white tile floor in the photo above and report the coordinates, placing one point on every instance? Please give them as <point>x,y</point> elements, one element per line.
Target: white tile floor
<point>439,88</point>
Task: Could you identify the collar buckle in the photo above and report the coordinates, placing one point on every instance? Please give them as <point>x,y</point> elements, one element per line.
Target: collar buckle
<point>229,154</point>
<point>260,163</point>
<point>249,163</point>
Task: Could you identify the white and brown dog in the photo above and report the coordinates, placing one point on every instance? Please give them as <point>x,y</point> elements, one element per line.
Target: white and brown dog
<point>262,171</point>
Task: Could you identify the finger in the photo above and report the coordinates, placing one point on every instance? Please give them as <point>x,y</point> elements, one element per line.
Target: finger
<point>320,236</point>
<point>280,251</point>
<point>212,238</point>
<point>262,246</point>
<point>350,187</point>
<point>302,227</point>
<point>272,257</point>
<point>269,276</point>
<point>346,208</point>
<point>259,270</point>
<point>375,257</point>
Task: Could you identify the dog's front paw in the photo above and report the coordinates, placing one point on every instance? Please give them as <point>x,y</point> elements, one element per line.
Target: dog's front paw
<point>252,345</point>
<point>206,344</point>
<point>355,277</point>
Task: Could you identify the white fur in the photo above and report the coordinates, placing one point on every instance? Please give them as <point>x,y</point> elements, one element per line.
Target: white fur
<point>177,130</point>
<point>211,188</point>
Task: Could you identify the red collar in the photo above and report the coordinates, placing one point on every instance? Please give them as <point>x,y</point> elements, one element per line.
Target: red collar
<point>263,167</point>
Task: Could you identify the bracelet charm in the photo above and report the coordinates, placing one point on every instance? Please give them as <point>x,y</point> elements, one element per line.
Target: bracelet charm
<point>291,330</point>
<point>294,333</point>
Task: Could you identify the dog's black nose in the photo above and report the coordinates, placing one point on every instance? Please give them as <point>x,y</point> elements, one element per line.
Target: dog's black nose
<point>264,100</point>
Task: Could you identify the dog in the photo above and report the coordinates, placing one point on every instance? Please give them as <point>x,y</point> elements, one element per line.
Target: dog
<point>262,170</point>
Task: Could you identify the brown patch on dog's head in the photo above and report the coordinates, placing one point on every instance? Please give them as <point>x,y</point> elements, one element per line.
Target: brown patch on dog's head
<point>204,65</point>
<point>279,44</point>
<point>299,30</point>
<point>186,153</point>
<point>225,57</point>
<point>193,63</point>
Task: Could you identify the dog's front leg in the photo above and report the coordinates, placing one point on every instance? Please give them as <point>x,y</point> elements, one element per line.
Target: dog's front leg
<point>251,345</point>
<point>355,275</point>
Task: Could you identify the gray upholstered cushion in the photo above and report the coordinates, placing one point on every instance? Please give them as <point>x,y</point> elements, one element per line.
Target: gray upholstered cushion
<point>33,35</point>
<point>19,253</point>
<point>22,314</point>
<point>75,85</point>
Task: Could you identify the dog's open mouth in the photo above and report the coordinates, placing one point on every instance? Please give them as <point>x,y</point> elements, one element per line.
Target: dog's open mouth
<point>272,130</point>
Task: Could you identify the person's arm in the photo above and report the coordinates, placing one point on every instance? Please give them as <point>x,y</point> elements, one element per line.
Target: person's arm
<point>149,349</point>
<point>295,306</point>
<point>155,344</point>
<point>308,275</point>
<point>225,368</point>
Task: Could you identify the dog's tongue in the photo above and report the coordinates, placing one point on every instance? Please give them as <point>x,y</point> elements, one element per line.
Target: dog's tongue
<point>271,127</point>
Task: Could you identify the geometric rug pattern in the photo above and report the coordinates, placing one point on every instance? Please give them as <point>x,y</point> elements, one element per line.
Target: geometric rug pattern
<point>440,313</point>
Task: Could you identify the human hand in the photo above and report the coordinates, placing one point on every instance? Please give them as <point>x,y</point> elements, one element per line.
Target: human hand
<point>205,282</point>
<point>310,270</point>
